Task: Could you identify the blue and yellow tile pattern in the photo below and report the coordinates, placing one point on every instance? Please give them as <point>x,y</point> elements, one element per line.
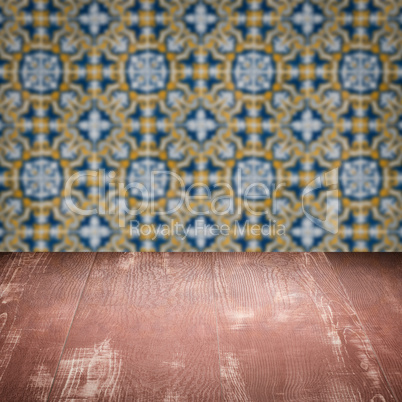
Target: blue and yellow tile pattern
<point>280,91</point>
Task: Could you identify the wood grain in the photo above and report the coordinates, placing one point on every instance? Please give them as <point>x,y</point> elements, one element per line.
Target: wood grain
<point>200,326</point>
<point>145,330</point>
<point>373,282</point>
<point>38,297</point>
<point>287,332</point>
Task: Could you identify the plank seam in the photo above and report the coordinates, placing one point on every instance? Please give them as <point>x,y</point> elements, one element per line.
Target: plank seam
<point>360,322</point>
<point>71,324</point>
<point>216,323</point>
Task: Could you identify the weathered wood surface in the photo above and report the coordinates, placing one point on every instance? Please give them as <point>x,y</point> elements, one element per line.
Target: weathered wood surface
<point>145,330</point>
<point>373,283</point>
<point>39,294</point>
<point>288,332</point>
<point>200,326</point>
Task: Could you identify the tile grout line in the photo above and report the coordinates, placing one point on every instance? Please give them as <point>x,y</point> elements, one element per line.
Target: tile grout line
<point>362,327</point>
<point>216,322</point>
<point>71,324</point>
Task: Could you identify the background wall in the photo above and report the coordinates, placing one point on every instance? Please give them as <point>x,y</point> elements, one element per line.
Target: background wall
<point>285,94</point>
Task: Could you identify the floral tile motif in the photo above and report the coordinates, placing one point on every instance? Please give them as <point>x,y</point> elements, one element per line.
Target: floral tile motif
<point>265,114</point>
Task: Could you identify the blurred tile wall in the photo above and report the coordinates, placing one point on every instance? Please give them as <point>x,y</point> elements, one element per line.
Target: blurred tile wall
<point>279,121</point>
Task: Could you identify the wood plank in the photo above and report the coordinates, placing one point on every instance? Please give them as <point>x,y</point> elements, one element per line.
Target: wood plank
<point>39,294</point>
<point>373,282</point>
<point>145,330</point>
<point>287,332</point>
<point>4,256</point>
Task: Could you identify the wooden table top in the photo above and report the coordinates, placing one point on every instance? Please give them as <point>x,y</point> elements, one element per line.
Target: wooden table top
<point>201,326</point>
